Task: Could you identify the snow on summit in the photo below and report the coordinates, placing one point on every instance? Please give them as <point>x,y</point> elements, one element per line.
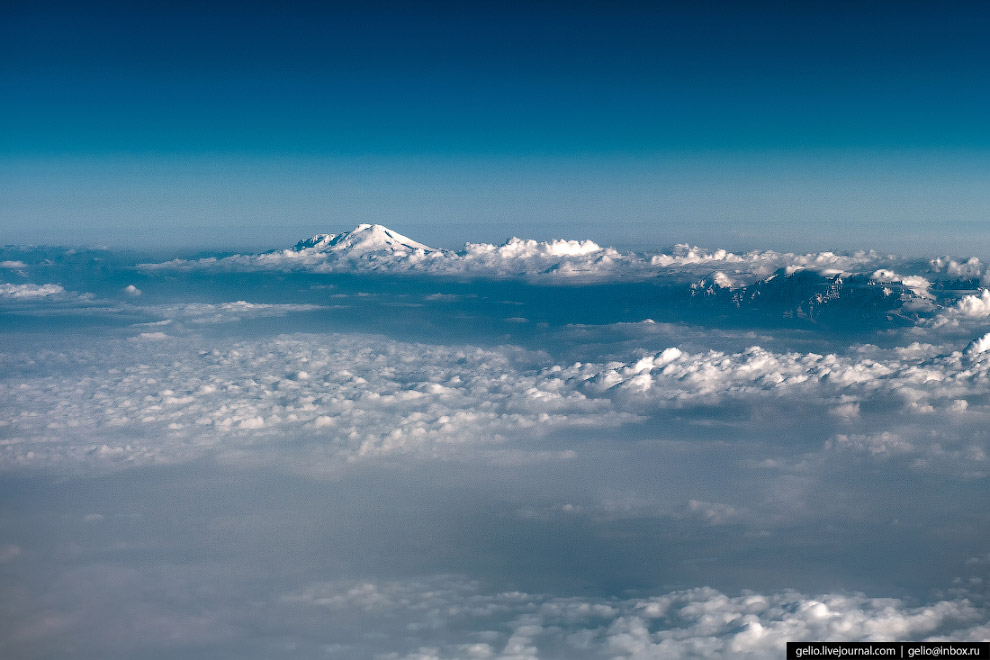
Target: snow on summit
<point>363,238</point>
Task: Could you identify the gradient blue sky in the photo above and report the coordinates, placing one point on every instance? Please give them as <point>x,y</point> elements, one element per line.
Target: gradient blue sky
<point>743,124</point>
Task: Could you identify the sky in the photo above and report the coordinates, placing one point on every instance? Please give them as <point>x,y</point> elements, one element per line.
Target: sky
<point>727,387</point>
<point>250,124</point>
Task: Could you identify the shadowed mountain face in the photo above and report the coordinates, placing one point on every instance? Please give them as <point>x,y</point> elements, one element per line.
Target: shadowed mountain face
<point>363,447</point>
<point>807,296</point>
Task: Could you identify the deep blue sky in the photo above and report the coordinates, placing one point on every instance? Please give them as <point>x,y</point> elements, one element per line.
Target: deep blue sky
<point>589,84</point>
<point>493,78</point>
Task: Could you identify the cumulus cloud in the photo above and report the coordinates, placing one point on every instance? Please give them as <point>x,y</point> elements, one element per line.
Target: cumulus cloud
<point>30,291</point>
<point>39,297</point>
<point>350,397</point>
<point>981,345</point>
<point>968,269</point>
<point>691,623</point>
<point>917,284</point>
<point>977,306</point>
<point>762,263</point>
<point>672,377</point>
<point>966,312</point>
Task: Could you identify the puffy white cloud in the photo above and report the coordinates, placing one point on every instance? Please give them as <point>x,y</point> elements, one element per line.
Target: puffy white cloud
<point>341,398</point>
<point>977,306</point>
<point>917,284</point>
<point>981,345</point>
<point>38,298</point>
<point>761,263</point>
<point>30,291</point>
<point>966,312</point>
<point>673,377</point>
<point>970,269</point>
<point>691,623</point>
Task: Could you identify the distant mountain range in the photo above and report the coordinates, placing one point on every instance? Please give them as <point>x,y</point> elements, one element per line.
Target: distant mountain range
<point>861,287</point>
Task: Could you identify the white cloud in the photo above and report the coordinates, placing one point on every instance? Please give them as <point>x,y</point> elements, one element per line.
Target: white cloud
<point>966,312</point>
<point>686,624</point>
<point>918,285</point>
<point>228,312</point>
<point>973,306</point>
<point>339,397</point>
<point>846,410</point>
<point>672,377</point>
<point>884,443</point>
<point>29,291</point>
<point>981,345</point>
<point>151,336</point>
<point>351,397</point>
<point>970,269</point>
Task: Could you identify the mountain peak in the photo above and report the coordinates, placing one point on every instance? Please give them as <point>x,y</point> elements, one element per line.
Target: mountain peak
<point>363,238</point>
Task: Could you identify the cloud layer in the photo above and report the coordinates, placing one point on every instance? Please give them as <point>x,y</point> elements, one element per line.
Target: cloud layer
<point>155,399</point>
<point>162,398</point>
<point>373,248</point>
<point>693,623</point>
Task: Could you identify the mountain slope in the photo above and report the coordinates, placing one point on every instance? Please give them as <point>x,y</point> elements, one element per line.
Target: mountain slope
<point>363,238</point>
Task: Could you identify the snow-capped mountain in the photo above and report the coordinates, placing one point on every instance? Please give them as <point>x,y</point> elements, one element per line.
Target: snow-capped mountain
<point>363,238</point>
